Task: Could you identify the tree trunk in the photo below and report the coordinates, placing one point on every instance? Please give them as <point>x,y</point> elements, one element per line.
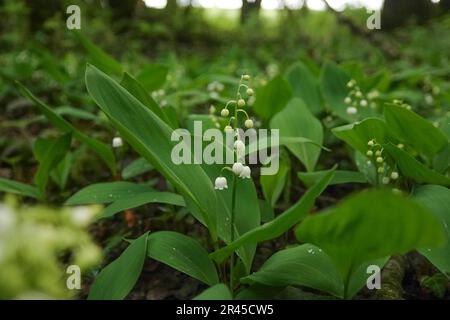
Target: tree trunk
<point>396,13</point>
<point>249,8</point>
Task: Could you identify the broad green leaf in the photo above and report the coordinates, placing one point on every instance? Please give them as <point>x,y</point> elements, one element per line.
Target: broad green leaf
<point>11,186</point>
<point>217,292</point>
<point>247,214</point>
<point>49,152</point>
<point>104,151</point>
<point>413,169</point>
<point>183,254</point>
<point>333,81</point>
<point>139,199</point>
<point>304,86</point>
<point>61,173</point>
<point>153,76</point>
<point>441,162</point>
<point>106,192</point>
<point>437,199</point>
<point>118,278</point>
<point>359,277</point>
<point>340,177</point>
<point>366,167</point>
<point>273,185</point>
<point>371,225</point>
<point>412,129</point>
<point>272,97</point>
<point>138,91</point>
<point>98,57</point>
<point>295,120</point>
<point>358,134</point>
<point>304,265</point>
<point>151,137</point>
<point>280,224</point>
<point>136,168</point>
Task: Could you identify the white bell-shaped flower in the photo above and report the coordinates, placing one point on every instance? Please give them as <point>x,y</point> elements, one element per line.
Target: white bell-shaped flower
<point>245,173</point>
<point>117,142</point>
<point>240,148</point>
<point>221,183</point>
<point>237,168</point>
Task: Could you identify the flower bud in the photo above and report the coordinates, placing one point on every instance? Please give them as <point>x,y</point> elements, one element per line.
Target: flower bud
<point>224,112</point>
<point>380,160</point>
<point>249,123</point>
<point>348,100</point>
<point>394,175</point>
<point>363,103</point>
<point>240,147</point>
<point>369,153</point>
<point>246,77</point>
<point>385,180</point>
<point>241,103</point>
<point>117,142</point>
<point>371,143</point>
<point>212,109</point>
<point>352,110</point>
<point>228,129</point>
<point>250,92</point>
<point>380,170</point>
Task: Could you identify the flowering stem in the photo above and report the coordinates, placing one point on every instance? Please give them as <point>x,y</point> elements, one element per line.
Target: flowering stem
<point>233,196</point>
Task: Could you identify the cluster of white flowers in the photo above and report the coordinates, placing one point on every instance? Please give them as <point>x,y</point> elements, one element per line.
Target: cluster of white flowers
<point>356,99</point>
<point>158,95</point>
<point>375,153</point>
<point>239,168</point>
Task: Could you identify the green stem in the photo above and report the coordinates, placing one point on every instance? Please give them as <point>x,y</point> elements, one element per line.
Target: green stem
<point>233,205</point>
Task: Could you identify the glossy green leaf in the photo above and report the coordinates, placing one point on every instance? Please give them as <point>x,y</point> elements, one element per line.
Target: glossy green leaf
<point>98,57</point>
<point>139,199</point>
<point>358,278</point>
<point>340,177</point>
<point>371,225</point>
<point>103,151</point>
<point>273,185</point>
<point>118,278</point>
<point>304,265</point>
<point>217,292</point>
<point>183,254</point>
<point>136,168</point>
<point>106,192</point>
<point>412,129</point>
<point>62,171</point>
<point>295,120</point>
<point>437,199</point>
<point>280,224</point>
<point>358,134</point>
<point>247,213</point>
<point>413,169</point>
<point>16,187</point>
<point>333,81</point>
<point>153,76</point>
<point>49,152</point>
<point>151,137</point>
<point>304,86</point>
<point>272,98</point>
<point>138,91</point>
